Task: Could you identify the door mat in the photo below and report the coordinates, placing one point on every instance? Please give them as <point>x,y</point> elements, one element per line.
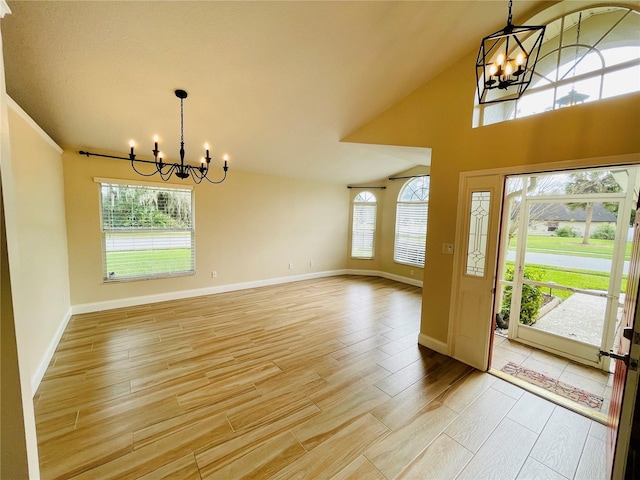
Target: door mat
<point>555,386</point>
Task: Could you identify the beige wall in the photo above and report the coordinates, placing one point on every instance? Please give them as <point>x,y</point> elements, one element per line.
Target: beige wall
<point>385,228</point>
<point>439,115</point>
<point>248,229</point>
<point>37,240</point>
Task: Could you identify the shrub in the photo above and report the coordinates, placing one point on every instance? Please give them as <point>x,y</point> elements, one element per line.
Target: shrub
<point>531,296</point>
<point>566,232</point>
<point>604,232</point>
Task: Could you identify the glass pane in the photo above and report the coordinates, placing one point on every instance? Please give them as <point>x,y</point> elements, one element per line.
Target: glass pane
<point>411,233</point>
<point>478,230</point>
<point>585,91</point>
<point>364,226</point>
<point>535,102</point>
<point>617,55</point>
<point>416,190</point>
<point>568,245</point>
<point>577,182</point>
<point>621,82</point>
<point>143,253</point>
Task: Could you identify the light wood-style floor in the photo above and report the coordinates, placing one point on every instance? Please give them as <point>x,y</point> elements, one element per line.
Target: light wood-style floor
<point>315,379</point>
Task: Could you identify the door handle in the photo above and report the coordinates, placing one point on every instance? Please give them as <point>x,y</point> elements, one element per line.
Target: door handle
<point>611,354</point>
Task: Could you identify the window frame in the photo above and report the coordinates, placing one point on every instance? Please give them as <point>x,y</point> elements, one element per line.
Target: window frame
<point>362,202</point>
<point>104,232</point>
<point>409,209</point>
<point>560,49</point>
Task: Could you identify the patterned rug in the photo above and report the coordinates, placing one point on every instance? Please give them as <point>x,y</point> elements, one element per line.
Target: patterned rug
<point>556,386</point>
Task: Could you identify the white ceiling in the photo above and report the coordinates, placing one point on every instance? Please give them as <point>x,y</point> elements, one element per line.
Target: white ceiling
<point>276,85</point>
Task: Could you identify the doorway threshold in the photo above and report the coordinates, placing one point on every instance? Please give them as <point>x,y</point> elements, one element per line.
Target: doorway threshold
<point>551,396</point>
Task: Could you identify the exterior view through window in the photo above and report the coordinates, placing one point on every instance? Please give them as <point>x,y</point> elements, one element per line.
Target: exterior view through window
<point>586,56</point>
<point>364,225</point>
<point>411,222</point>
<point>147,231</point>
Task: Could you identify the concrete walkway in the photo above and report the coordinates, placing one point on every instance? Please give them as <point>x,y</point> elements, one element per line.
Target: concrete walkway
<point>579,317</point>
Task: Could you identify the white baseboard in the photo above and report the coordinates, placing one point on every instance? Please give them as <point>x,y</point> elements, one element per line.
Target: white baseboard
<point>199,292</point>
<point>163,297</point>
<point>433,344</point>
<point>390,276</point>
<point>48,354</point>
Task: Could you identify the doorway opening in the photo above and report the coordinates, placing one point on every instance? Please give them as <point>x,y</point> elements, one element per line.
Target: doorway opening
<point>562,273</point>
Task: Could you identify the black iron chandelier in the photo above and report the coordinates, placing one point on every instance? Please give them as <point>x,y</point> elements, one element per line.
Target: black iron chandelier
<point>506,61</point>
<point>166,170</point>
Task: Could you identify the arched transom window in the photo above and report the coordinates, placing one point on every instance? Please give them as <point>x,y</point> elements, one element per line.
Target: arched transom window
<point>585,56</point>
<point>411,222</point>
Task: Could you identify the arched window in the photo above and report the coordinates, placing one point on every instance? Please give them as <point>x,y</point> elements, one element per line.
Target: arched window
<point>363,228</point>
<point>585,56</point>
<point>411,222</point>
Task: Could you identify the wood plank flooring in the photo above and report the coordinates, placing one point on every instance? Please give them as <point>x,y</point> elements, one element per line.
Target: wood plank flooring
<point>315,379</point>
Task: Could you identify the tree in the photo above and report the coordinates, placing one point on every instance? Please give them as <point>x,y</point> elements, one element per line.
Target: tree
<point>534,185</point>
<point>591,182</point>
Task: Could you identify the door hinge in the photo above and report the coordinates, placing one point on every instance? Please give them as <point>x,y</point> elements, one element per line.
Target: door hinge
<point>629,334</point>
<point>633,365</point>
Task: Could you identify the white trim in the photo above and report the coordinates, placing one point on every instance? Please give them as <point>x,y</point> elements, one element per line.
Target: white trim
<point>625,159</point>
<point>4,8</point>
<point>142,183</point>
<point>198,292</point>
<point>48,354</point>
<point>433,344</point>
<point>389,276</point>
<point>163,297</point>
<point>25,116</point>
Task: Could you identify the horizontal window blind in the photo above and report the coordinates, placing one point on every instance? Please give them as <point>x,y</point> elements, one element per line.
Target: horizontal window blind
<point>147,231</point>
<point>363,229</point>
<point>411,233</point>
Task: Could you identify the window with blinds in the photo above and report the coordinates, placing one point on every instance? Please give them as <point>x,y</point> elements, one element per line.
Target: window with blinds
<point>411,222</point>
<point>147,231</point>
<point>364,225</point>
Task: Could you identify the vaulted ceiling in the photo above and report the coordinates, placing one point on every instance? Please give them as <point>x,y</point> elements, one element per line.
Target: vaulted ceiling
<point>276,85</point>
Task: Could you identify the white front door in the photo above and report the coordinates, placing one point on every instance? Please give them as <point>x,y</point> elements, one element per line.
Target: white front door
<point>474,275</point>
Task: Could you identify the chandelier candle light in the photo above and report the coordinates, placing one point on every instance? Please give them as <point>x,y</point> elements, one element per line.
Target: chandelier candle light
<point>506,61</point>
<point>166,170</point>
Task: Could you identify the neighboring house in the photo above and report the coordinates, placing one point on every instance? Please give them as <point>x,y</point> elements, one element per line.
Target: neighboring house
<point>547,218</point>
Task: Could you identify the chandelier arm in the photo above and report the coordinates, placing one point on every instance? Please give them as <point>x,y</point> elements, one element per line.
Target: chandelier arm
<point>166,175</point>
<point>197,179</point>
<point>218,181</point>
<point>138,171</point>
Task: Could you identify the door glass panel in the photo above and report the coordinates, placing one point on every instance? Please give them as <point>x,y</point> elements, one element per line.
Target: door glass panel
<point>567,268</point>
<point>478,229</point>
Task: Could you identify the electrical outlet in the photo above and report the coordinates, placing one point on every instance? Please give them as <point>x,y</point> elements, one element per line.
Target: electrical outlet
<point>214,274</point>
<point>290,266</point>
<point>447,248</point>
<point>311,263</point>
<point>411,272</point>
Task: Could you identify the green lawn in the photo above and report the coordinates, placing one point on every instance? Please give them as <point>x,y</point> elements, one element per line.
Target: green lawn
<point>144,262</point>
<point>583,279</point>
<point>570,246</point>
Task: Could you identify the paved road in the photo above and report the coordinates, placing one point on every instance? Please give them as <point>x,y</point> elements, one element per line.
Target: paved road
<point>584,263</point>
